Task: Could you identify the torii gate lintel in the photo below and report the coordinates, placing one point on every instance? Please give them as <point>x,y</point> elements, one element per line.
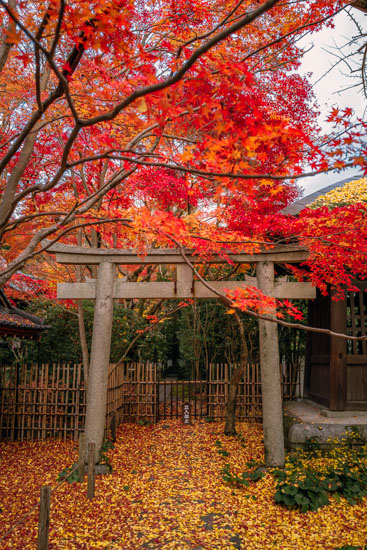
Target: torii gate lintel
<point>184,286</point>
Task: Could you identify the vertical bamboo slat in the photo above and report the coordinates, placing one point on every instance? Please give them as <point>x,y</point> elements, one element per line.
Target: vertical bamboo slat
<point>67,408</point>
<point>3,390</point>
<point>77,402</point>
<point>44,401</point>
<point>13,420</point>
<point>23,394</point>
<point>74,397</point>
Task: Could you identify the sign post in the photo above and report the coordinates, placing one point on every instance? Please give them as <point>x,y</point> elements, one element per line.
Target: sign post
<point>186,413</point>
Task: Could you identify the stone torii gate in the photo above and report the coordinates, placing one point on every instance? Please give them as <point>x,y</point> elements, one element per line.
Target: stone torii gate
<point>106,288</point>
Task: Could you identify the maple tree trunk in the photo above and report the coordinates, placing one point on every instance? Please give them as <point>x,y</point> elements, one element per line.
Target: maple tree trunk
<point>25,154</point>
<point>100,357</point>
<point>6,45</point>
<point>270,376</point>
<point>230,425</point>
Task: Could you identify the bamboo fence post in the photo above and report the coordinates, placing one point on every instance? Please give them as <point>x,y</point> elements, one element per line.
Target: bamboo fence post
<point>24,396</point>
<point>73,406</point>
<point>216,414</point>
<point>15,402</point>
<point>177,415</point>
<point>44,410</point>
<point>67,412</point>
<point>254,389</point>
<point>56,398</point>
<point>156,397</point>
<point>138,367</point>
<point>63,402</point>
<point>207,389</point>
<point>3,391</point>
<point>44,518</point>
<point>91,469</point>
<point>32,403</point>
<point>113,425</point>
<point>79,401</point>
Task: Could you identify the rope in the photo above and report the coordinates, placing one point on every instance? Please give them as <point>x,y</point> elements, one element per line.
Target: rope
<point>20,521</point>
<point>37,505</point>
<point>82,461</point>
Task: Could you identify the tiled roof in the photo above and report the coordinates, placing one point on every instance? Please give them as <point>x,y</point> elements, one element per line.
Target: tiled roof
<point>10,319</point>
<point>299,205</point>
<point>16,322</point>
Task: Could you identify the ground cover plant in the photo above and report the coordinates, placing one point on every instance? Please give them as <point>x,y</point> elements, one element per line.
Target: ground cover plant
<point>167,491</point>
<point>307,482</point>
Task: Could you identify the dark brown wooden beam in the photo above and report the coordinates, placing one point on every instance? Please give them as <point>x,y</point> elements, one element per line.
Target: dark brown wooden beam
<point>11,332</point>
<point>338,356</point>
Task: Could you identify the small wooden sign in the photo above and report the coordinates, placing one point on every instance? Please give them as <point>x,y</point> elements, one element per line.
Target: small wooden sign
<point>186,413</point>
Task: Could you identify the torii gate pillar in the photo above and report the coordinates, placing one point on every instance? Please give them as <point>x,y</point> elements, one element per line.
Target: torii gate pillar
<point>270,374</point>
<point>100,357</point>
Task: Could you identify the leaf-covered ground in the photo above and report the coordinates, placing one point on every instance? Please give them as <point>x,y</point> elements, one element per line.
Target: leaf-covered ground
<point>165,492</point>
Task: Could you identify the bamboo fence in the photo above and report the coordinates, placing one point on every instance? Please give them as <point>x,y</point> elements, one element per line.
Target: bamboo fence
<point>49,400</point>
<point>41,401</point>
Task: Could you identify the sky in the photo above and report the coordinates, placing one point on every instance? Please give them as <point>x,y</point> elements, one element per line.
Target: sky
<point>328,89</point>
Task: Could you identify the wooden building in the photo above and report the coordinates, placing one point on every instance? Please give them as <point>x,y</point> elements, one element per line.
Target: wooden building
<point>16,323</point>
<point>336,368</point>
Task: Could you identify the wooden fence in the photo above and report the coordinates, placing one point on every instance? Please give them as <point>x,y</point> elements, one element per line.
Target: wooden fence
<point>42,401</point>
<point>208,398</point>
<point>132,392</point>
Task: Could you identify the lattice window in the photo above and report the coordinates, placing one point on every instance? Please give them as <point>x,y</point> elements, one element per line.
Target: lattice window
<point>356,322</point>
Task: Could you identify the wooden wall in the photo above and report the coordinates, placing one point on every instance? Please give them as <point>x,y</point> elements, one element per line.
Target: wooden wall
<point>336,369</point>
<point>356,353</point>
<point>317,371</point>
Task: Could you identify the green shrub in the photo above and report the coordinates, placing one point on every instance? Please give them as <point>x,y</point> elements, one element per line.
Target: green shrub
<point>307,488</point>
<point>66,475</point>
<point>302,491</point>
<point>312,445</point>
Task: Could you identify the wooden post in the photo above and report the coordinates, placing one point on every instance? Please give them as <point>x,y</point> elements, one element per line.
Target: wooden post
<point>82,453</point>
<point>44,518</point>
<point>157,390</point>
<point>338,359</point>
<point>113,425</point>
<point>270,376</point>
<point>91,469</point>
<point>100,358</point>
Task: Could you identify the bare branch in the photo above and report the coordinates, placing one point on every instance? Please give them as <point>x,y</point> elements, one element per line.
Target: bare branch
<point>186,66</point>
<point>6,45</point>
